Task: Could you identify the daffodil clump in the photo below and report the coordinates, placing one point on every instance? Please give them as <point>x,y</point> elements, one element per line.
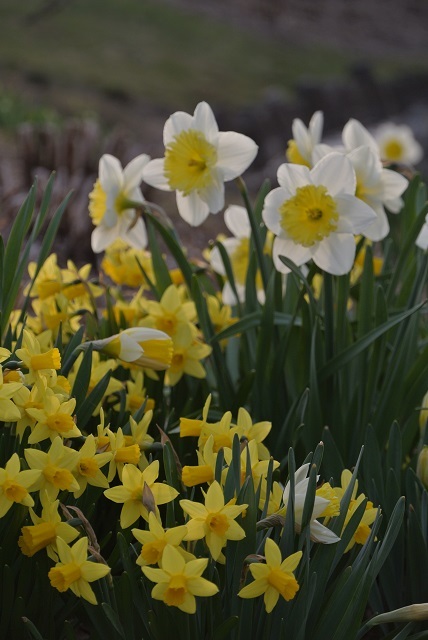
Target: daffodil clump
<point>152,411</point>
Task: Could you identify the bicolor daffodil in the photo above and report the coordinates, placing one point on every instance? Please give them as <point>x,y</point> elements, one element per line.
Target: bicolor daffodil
<point>314,214</point>
<point>140,346</point>
<point>305,139</point>
<point>397,143</point>
<point>198,160</point>
<point>112,203</point>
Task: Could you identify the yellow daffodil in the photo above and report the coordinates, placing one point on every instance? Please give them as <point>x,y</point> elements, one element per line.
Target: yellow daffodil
<point>140,437</point>
<point>369,515</point>
<point>193,427</point>
<point>135,499</point>
<point>214,521</point>
<point>74,571</point>
<point>273,579</point>
<point>205,470</point>
<point>156,539</point>
<point>123,453</point>
<point>54,468</point>
<point>88,465</point>
<point>139,345</point>
<point>26,398</point>
<point>250,459</point>
<point>122,264</point>
<point>14,485</point>
<point>170,313</point>
<point>45,530</point>
<point>136,394</point>
<point>257,431</point>
<point>178,582</point>
<point>187,356</point>
<point>55,418</point>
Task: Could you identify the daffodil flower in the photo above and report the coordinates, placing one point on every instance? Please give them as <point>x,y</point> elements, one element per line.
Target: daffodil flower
<point>397,143</point>
<point>138,345</point>
<point>74,571</point>
<point>156,539</point>
<point>178,582</point>
<point>54,468</point>
<point>14,485</point>
<point>214,521</point>
<point>315,214</point>
<point>198,160</point>
<point>273,579</point>
<point>112,203</point>
<point>305,139</point>
<point>318,532</point>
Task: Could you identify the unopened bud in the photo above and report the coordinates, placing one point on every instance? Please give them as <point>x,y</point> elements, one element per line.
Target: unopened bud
<point>422,466</point>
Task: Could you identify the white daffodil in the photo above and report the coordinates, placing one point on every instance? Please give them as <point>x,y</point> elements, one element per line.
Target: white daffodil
<point>198,160</point>
<point>314,214</point>
<point>397,143</point>
<point>305,139</point>
<point>141,346</point>
<point>111,203</point>
<point>422,239</point>
<point>238,250</point>
<point>319,533</point>
<point>376,186</point>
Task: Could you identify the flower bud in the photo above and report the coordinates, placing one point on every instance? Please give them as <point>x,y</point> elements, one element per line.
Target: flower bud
<point>422,466</point>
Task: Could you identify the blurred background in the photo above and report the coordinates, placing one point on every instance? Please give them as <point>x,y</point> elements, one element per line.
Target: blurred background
<point>79,78</point>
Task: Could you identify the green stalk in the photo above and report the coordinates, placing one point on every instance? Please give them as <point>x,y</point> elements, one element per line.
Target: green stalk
<point>254,232</point>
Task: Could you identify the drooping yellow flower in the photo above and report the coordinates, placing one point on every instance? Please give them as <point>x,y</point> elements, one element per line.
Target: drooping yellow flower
<point>123,453</point>
<point>45,530</point>
<point>37,362</point>
<point>273,579</point>
<point>140,437</point>
<point>136,501</point>
<point>275,504</point>
<point>88,465</point>
<point>220,315</point>
<point>24,399</point>
<point>136,394</point>
<point>363,530</point>
<point>193,427</point>
<point>178,582</point>
<point>54,468</point>
<point>205,470</point>
<point>48,281</point>
<point>74,571</point>
<point>156,539</point>
<point>55,418</point>
<point>214,521</point>
<point>327,492</point>
<point>14,485</point>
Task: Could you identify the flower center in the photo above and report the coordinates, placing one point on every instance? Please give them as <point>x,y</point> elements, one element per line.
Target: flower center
<point>156,353</point>
<point>97,203</point>
<point>48,288</point>
<point>152,551</point>
<point>36,537</point>
<point>14,491</point>
<point>285,584</point>
<point>60,478</point>
<point>176,592</point>
<point>60,422</point>
<point>62,577</point>
<point>189,160</point>
<point>88,467</point>
<point>49,360</point>
<point>309,216</point>
<point>393,150</point>
<point>218,523</point>
<point>129,455</point>
<point>168,324</point>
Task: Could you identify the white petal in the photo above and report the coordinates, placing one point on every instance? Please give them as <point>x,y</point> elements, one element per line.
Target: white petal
<point>422,239</point>
<point>204,120</point>
<point>110,173</point>
<point>354,214</point>
<point>355,135</point>
<point>295,252</point>
<point>130,350</point>
<point>135,235</point>
<point>270,214</point>
<point>335,254</point>
<point>293,176</point>
<point>367,166</point>
<point>229,297</point>
<point>213,195</point>
<point>320,533</point>
<point>321,150</point>
<point>315,127</point>
<point>154,174</point>
<point>192,209</point>
<point>133,172</point>
<point>179,121</point>
<point>236,220</point>
<point>395,205</point>
<point>336,173</point>
<point>102,237</point>
<point>235,153</point>
<point>216,261</point>
<point>379,229</point>
<point>394,184</point>
<point>301,138</point>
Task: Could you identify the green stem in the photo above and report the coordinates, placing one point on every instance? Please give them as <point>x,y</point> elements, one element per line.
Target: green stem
<point>255,228</point>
